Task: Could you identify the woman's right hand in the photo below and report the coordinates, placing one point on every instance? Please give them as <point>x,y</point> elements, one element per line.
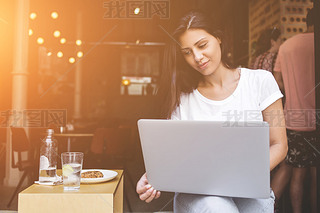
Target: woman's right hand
<point>146,192</point>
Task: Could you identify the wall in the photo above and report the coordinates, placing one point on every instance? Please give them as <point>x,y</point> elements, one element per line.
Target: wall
<point>287,15</point>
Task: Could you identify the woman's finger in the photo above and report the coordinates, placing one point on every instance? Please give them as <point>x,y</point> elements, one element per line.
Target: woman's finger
<point>147,194</point>
<point>157,195</point>
<point>141,188</point>
<point>149,199</point>
<point>142,183</point>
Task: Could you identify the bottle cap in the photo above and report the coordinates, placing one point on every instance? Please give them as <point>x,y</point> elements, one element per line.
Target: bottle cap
<point>50,131</point>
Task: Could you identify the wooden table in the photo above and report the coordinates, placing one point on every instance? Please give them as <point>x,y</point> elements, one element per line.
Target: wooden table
<point>102,197</point>
<point>72,135</point>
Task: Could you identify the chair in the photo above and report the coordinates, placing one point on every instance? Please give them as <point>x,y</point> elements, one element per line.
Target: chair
<point>111,148</point>
<point>20,143</point>
<point>2,150</point>
<point>2,161</point>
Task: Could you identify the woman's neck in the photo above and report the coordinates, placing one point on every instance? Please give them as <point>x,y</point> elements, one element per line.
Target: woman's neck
<point>221,77</point>
<point>273,49</point>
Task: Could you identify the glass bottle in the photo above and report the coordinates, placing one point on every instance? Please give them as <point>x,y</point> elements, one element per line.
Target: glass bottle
<point>48,158</point>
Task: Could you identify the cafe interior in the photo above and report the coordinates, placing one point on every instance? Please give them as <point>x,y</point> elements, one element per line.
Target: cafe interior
<point>90,70</point>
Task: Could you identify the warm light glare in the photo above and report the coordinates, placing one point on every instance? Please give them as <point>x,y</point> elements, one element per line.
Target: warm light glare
<point>30,32</point>
<point>54,15</point>
<point>56,33</point>
<point>59,54</point>
<point>72,60</point>
<point>137,11</point>
<point>126,82</point>
<point>63,40</point>
<point>137,41</point>
<point>40,40</point>
<point>79,54</point>
<point>49,53</point>
<point>78,42</point>
<point>33,16</point>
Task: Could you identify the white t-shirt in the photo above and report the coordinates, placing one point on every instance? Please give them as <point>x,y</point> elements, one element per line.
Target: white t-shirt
<point>256,90</point>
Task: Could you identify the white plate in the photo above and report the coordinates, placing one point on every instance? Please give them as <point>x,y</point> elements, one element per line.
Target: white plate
<point>107,175</point>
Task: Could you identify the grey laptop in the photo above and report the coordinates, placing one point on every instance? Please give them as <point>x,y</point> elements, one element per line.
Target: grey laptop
<point>207,157</point>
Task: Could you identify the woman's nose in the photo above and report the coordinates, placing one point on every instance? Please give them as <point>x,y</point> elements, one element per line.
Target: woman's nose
<point>198,56</point>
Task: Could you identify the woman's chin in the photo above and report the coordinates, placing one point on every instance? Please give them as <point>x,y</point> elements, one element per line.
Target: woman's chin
<point>206,71</point>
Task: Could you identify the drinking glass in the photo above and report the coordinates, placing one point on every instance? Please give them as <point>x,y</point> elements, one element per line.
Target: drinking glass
<point>71,170</point>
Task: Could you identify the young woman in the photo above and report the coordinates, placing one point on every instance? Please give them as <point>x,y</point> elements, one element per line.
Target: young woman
<point>200,84</point>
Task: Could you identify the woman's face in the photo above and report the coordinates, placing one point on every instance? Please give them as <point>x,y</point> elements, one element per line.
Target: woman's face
<point>201,50</point>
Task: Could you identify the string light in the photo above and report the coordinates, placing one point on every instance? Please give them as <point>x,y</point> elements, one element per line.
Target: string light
<point>80,54</point>
<point>59,54</point>
<point>30,32</point>
<point>33,16</point>
<point>54,15</point>
<point>49,53</point>
<point>72,60</point>
<point>63,40</point>
<point>78,42</point>
<point>40,40</point>
<point>56,33</point>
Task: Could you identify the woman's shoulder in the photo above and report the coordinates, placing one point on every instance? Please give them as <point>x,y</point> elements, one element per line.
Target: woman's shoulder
<point>255,73</point>
<point>255,78</point>
<point>185,96</point>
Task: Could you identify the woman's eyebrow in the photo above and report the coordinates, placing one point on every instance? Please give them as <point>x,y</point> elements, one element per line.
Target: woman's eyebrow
<point>199,40</point>
<point>194,43</point>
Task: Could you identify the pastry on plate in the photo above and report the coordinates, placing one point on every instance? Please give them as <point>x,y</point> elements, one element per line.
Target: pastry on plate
<point>92,174</point>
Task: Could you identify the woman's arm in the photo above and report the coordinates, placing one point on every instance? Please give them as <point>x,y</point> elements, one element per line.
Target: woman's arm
<point>278,77</point>
<point>278,137</point>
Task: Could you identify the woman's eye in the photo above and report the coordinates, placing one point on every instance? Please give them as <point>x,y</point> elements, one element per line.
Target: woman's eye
<point>187,52</point>
<point>202,45</point>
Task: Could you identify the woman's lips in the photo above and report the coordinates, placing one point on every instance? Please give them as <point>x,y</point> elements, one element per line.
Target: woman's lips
<point>204,65</point>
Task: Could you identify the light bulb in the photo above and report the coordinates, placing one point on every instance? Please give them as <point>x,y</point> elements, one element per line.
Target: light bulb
<point>72,60</point>
<point>54,15</point>
<point>125,82</point>
<point>63,40</point>
<point>40,40</point>
<point>56,33</point>
<point>33,16</point>
<point>59,54</point>
<point>137,11</point>
<point>78,42</point>
<point>80,54</point>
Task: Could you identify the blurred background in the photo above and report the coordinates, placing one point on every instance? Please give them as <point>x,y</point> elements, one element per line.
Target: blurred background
<point>89,64</point>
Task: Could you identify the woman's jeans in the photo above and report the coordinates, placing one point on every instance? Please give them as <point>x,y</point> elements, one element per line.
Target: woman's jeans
<point>192,203</point>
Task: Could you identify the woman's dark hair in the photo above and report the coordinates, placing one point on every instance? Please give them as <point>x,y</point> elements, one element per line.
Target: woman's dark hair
<point>310,17</point>
<point>178,77</point>
<point>264,41</point>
